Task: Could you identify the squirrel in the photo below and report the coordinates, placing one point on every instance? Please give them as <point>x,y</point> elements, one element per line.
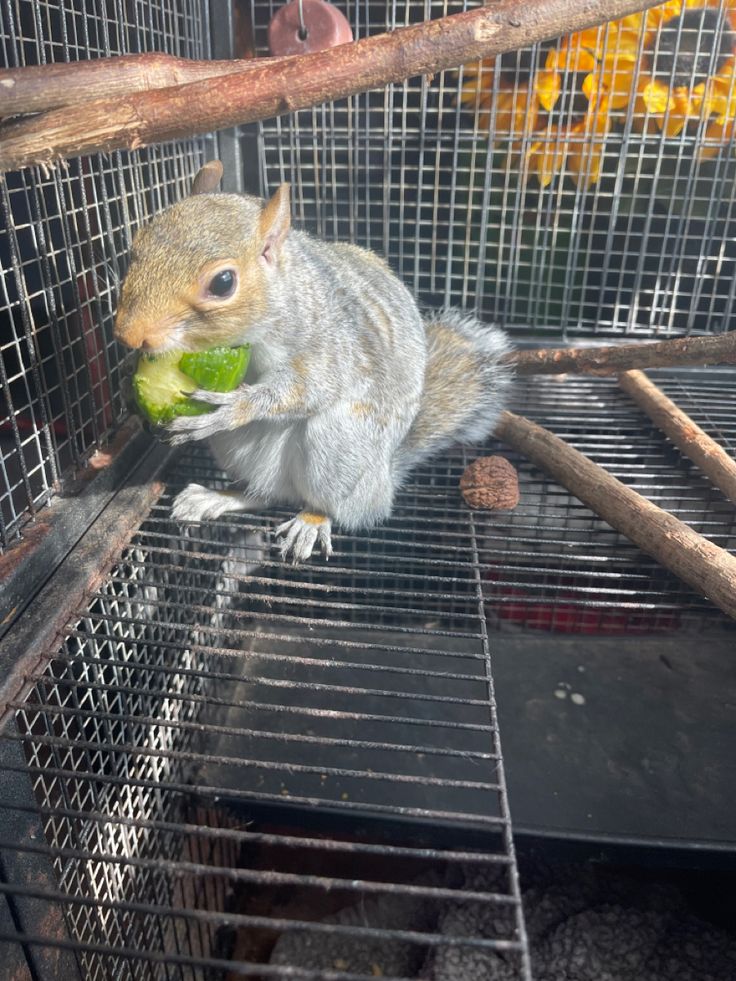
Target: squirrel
<point>348,387</point>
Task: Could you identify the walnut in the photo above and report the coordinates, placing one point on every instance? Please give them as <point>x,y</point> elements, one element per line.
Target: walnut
<point>492,483</point>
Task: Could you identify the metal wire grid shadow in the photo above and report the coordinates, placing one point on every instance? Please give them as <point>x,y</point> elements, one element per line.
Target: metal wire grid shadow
<point>64,237</point>
<point>212,701</point>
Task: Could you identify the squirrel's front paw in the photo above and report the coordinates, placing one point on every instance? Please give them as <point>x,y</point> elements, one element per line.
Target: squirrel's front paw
<point>302,533</point>
<point>231,413</point>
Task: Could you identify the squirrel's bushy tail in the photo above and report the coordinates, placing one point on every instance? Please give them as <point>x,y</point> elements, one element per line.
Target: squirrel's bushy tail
<point>465,386</point>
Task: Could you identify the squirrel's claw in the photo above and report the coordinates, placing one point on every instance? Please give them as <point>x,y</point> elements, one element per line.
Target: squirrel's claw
<point>214,398</point>
<point>301,534</point>
<point>233,411</point>
<point>185,428</point>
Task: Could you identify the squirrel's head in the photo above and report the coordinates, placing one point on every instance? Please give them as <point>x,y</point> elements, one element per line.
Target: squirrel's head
<point>199,273</point>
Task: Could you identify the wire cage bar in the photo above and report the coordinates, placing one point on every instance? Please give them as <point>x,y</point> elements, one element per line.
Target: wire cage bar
<point>210,697</point>
<point>64,240</point>
<point>583,187</point>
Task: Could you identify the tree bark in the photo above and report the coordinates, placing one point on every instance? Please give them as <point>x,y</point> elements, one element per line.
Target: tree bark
<point>710,570</point>
<point>36,88</point>
<point>298,83</point>
<point>719,349</point>
<point>686,434</point>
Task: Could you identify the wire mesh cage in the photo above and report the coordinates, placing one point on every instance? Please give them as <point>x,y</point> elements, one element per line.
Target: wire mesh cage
<point>215,764</point>
<point>575,188</point>
<point>63,243</point>
<point>209,698</point>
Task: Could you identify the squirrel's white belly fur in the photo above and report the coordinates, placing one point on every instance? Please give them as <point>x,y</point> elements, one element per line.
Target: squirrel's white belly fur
<point>348,388</point>
<point>333,462</point>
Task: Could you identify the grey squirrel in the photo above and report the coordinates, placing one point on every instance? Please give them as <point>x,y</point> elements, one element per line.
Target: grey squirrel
<point>348,388</point>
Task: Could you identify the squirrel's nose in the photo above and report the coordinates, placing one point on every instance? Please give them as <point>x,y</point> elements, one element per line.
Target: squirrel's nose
<point>132,333</point>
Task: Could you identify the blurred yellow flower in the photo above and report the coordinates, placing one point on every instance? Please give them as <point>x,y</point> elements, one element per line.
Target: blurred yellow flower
<point>509,111</point>
<point>665,67</point>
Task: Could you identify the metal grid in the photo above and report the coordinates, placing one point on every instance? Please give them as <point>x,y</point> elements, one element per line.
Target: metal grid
<point>553,565</point>
<point>211,701</point>
<point>63,240</point>
<point>211,697</point>
<point>450,191</point>
<point>213,711</point>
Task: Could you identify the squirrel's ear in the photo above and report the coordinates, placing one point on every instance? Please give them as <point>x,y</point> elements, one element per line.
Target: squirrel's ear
<point>275,222</point>
<point>207,178</point>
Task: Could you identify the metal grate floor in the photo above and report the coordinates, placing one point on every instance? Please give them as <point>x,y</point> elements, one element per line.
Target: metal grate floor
<point>220,730</point>
<point>209,678</point>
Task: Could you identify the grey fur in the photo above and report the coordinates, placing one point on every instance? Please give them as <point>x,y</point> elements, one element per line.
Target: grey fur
<point>348,388</point>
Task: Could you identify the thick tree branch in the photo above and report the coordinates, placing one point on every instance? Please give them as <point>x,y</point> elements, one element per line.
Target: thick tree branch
<point>710,570</point>
<point>720,349</point>
<point>298,83</point>
<point>36,88</point>
<point>686,434</point>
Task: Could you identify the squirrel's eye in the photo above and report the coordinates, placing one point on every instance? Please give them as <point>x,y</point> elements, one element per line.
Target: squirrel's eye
<point>223,284</point>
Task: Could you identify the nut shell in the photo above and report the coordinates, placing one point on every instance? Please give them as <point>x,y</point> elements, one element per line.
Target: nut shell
<point>490,483</point>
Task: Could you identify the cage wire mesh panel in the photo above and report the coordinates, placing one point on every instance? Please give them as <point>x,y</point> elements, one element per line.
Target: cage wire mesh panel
<point>289,771</point>
<point>239,766</point>
<point>244,765</point>
<point>580,187</point>
<point>63,241</point>
<point>552,565</point>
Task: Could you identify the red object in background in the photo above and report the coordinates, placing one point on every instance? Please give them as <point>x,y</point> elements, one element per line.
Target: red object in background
<point>26,423</point>
<point>91,329</point>
<point>94,349</point>
<point>324,26</point>
<point>566,612</point>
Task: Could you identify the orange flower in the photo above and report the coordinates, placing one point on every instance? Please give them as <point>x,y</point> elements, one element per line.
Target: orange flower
<point>667,66</point>
<point>511,111</point>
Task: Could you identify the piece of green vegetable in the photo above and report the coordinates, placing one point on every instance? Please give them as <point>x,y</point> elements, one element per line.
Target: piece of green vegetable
<point>162,383</point>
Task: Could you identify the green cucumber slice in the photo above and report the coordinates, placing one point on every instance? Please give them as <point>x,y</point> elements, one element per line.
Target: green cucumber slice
<point>161,382</point>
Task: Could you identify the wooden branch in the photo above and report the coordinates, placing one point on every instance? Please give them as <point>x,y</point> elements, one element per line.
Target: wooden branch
<point>298,83</point>
<point>36,88</point>
<point>710,570</point>
<point>719,349</point>
<point>686,434</point>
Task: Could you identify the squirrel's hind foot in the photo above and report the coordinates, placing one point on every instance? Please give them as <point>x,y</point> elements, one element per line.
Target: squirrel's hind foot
<point>302,533</point>
<point>197,503</point>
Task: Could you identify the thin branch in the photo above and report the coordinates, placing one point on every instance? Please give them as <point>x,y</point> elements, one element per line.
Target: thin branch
<point>298,83</point>
<point>686,434</point>
<point>710,570</point>
<point>36,88</point>
<point>720,349</point>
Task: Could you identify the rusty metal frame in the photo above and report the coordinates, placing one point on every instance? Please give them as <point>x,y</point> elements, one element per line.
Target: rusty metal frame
<point>72,557</point>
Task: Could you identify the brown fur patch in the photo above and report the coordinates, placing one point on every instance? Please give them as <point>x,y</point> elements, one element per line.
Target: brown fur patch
<point>309,518</point>
<point>299,365</point>
<point>362,409</point>
<point>293,398</point>
<point>242,412</point>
